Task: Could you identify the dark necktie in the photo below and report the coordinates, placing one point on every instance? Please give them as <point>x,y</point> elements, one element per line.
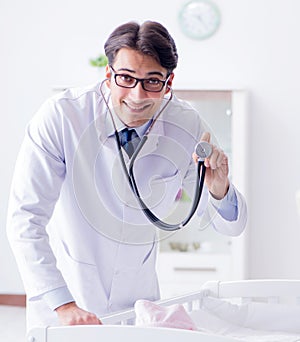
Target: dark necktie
<point>129,140</point>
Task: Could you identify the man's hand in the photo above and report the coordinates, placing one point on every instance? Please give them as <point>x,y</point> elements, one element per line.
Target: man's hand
<point>71,314</point>
<point>216,176</point>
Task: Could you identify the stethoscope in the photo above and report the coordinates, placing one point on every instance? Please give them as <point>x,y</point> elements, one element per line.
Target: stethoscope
<point>203,150</point>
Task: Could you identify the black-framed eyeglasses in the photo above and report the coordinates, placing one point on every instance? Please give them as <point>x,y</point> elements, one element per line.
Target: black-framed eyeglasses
<point>151,84</point>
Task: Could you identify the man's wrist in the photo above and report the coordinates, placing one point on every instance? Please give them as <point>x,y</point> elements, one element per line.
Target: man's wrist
<point>227,207</point>
<point>58,297</point>
<point>219,195</point>
<point>65,306</point>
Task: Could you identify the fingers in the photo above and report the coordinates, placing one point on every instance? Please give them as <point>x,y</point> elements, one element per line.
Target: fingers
<point>216,177</point>
<point>195,157</point>
<point>205,137</point>
<point>216,159</point>
<point>82,318</point>
<point>71,314</point>
<point>89,318</point>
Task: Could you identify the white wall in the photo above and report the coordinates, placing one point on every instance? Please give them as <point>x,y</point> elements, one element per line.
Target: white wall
<point>45,44</point>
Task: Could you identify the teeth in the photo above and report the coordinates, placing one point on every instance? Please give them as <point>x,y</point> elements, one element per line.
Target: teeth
<point>137,108</point>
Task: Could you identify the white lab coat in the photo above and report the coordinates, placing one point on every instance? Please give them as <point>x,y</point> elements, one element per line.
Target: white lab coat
<point>73,220</point>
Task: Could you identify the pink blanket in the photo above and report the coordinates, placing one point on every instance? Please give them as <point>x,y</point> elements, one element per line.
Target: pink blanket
<point>154,315</point>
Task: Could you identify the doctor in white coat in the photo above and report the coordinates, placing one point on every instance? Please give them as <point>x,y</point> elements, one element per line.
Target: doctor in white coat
<point>83,246</point>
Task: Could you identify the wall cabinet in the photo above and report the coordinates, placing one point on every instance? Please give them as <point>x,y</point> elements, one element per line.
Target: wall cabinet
<point>195,254</point>
<point>180,273</point>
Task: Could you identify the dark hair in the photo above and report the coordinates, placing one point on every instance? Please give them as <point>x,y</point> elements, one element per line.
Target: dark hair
<point>150,38</point>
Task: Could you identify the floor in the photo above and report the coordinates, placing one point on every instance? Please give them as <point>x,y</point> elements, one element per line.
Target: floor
<point>12,324</point>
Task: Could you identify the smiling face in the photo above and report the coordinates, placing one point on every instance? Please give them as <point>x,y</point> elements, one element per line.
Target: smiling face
<point>135,106</point>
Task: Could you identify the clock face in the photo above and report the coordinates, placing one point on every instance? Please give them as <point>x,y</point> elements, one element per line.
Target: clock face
<point>199,19</point>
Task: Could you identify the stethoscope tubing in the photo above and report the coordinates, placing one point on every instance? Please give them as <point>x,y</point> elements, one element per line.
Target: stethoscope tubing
<point>201,169</point>
<point>129,173</point>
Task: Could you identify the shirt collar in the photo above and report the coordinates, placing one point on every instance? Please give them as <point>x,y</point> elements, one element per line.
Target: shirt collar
<point>140,130</point>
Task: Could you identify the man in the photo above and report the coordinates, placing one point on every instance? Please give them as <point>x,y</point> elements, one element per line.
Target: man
<point>82,243</point>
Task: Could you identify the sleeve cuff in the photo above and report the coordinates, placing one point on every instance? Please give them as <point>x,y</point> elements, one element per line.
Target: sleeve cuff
<point>58,297</point>
<point>227,207</point>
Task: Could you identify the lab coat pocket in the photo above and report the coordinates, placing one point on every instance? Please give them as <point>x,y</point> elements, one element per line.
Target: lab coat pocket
<point>151,255</point>
<point>130,285</point>
<point>163,193</point>
<point>82,279</point>
<point>135,277</point>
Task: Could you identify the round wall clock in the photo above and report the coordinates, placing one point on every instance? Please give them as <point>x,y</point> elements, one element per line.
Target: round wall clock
<point>199,19</point>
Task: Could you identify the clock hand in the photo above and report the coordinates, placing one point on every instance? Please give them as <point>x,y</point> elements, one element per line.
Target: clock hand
<point>203,23</point>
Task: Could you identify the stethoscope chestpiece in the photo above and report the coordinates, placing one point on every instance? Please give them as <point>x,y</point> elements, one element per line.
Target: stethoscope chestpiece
<point>203,150</point>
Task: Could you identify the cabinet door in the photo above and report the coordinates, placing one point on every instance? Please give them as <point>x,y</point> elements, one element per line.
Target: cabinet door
<point>181,273</point>
<point>225,114</point>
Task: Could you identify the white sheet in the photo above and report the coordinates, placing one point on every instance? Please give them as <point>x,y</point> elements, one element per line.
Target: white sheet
<point>257,322</point>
